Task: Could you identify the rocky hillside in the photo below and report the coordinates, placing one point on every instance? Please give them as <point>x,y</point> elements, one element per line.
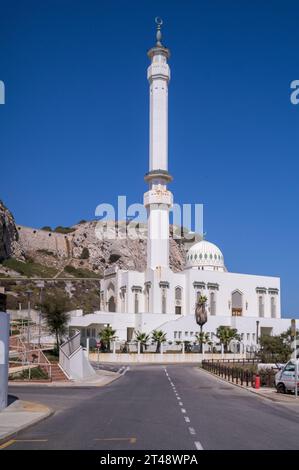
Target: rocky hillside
<point>82,251</point>
<point>9,245</point>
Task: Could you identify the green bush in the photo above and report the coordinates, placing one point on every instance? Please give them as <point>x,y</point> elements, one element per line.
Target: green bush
<point>65,230</point>
<point>29,268</point>
<point>85,253</point>
<point>80,272</point>
<point>36,373</point>
<point>47,228</point>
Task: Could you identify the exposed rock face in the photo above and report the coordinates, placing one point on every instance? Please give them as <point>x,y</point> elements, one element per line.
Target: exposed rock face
<point>9,245</point>
<point>105,245</point>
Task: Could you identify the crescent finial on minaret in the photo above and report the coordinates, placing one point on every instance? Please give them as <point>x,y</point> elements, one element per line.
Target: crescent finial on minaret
<point>159,23</point>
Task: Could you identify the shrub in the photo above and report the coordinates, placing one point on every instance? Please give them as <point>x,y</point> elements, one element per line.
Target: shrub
<point>85,253</point>
<point>80,272</point>
<point>47,228</point>
<point>29,268</point>
<point>65,230</point>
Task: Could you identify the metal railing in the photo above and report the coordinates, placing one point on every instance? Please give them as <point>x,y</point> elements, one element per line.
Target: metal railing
<point>67,350</point>
<point>238,372</point>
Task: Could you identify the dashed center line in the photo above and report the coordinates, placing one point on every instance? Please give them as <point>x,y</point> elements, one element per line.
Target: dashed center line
<point>191,430</point>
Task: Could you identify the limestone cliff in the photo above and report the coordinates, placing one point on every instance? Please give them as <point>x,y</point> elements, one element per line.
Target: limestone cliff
<point>9,245</point>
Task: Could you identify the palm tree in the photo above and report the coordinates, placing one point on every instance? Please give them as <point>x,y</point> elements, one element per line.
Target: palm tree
<point>106,335</point>
<point>143,339</point>
<point>159,337</point>
<point>202,338</point>
<point>54,311</point>
<point>201,314</point>
<point>226,334</point>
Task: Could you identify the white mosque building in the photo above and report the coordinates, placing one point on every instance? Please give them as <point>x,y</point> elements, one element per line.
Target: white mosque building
<point>160,298</point>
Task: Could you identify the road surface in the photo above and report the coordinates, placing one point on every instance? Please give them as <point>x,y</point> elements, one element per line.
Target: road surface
<point>173,407</point>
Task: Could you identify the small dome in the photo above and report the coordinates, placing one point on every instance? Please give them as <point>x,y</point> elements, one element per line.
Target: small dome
<point>205,255</point>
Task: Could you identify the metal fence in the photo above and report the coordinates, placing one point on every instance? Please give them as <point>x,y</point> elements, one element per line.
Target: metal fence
<point>240,372</point>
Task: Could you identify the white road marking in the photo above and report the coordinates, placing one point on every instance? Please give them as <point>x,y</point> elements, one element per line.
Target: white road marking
<point>198,445</point>
<point>192,431</point>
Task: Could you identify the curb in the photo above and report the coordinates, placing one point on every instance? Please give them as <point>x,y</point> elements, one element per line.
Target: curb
<point>11,435</point>
<point>67,384</point>
<point>244,388</point>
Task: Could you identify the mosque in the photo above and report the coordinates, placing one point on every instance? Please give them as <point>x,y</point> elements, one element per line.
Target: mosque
<point>160,298</point>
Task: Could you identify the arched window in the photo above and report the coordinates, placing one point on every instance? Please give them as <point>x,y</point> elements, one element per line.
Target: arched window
<point>136,302</point>
<point>261,306</point>
<point>273,307</point>
<point>237,303</point>
<point>178,293</point>
<point>212,303</point>
<point>111,297</point>
<point>178,300</point>
<point>111,304</point>
<point>164,300</point>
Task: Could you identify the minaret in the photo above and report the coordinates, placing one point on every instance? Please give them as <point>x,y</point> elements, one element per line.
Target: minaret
<point>158,199</point>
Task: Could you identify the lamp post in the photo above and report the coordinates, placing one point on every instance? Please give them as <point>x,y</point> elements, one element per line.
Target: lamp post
<point>41,285</point>
<point>28,292</point>
<point>257,333</point>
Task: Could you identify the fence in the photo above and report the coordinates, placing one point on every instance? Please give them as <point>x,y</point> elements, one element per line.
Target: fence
<point>239,372</point>
<point>25,357</point>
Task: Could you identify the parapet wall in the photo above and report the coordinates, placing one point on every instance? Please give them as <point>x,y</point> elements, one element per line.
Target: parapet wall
<point>32,239</point>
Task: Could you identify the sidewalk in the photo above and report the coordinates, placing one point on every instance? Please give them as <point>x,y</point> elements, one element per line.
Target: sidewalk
<point>102,378</point>
<point>18,416</point>
<point>265,392</point>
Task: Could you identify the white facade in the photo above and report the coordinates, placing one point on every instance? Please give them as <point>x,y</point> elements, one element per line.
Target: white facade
<point>160,298</point>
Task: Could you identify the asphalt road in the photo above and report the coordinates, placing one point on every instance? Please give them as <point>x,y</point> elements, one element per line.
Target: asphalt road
<point>175,407</point>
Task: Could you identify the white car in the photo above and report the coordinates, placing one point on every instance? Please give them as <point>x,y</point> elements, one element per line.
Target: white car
<point>285,377</point>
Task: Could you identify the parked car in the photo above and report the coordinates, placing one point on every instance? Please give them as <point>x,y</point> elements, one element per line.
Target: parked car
<point>285,377</point>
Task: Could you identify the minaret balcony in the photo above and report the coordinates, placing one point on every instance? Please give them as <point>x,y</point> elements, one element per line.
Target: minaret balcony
<point>158,70</point>
<point>158,196</point>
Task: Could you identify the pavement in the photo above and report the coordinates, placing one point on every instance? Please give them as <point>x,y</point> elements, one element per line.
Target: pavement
<point>103,377</point>
<point>265,392</point>
<point>19,415</point>
<point>173,407</point>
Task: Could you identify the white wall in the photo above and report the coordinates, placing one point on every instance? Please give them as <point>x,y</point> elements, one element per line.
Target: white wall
<point>4,348</point>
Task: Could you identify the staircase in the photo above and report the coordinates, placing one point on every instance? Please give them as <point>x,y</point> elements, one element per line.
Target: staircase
<point>57,374</point>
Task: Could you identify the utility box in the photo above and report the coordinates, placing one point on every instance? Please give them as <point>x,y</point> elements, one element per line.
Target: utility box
<point>4,351</point>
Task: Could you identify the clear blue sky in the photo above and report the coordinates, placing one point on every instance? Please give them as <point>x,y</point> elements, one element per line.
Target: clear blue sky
<point>74,129</point>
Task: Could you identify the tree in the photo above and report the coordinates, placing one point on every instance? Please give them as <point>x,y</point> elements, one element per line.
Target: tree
<point>54,310</point>
<point>201,316</point>
<point>226,334</point>
<point>159,337</point>
<point>202,338</point>
<point>274,349</point>
<point>85,253</point>
<point>107,335</point>
<point>143,338</point>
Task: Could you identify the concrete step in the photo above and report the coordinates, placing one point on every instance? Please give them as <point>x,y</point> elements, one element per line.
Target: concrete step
<point>57,374</point>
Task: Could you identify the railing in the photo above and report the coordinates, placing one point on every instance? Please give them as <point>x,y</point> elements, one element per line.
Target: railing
<point>29,356</point>
<point>232,371</point>
<point>71,345</point>
<point>67,350</point>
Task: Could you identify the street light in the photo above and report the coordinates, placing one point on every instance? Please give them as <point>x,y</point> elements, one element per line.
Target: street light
<point>41,285</point>
<point>28,292</point>
<point>257,333</point>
